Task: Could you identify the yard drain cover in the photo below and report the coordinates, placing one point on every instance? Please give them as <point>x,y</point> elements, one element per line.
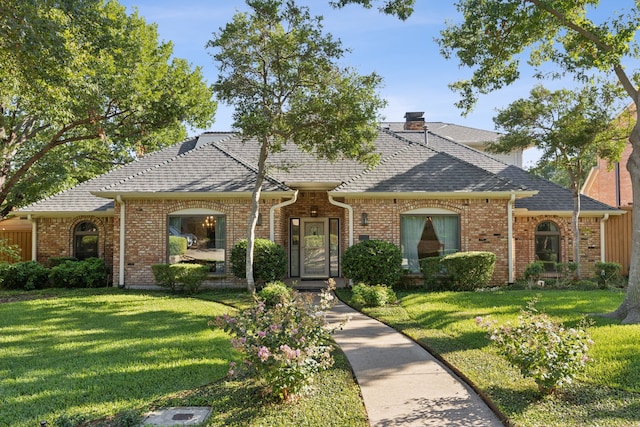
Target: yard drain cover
<point>178,416</point>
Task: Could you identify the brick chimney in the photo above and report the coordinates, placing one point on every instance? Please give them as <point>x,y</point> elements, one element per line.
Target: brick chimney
<point>414,121</point>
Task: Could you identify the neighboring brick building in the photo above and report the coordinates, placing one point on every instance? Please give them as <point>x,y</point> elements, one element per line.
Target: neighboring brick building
<point>431,194</point>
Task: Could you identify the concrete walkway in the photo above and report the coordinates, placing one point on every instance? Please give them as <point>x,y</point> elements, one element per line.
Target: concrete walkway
<point>402,384</point>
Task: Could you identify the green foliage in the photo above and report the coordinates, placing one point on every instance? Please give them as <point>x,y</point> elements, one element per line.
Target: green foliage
<point>400,8</point>
<point>9,252</point>
<point>533,272</point>
<point>434,274</point>
<point>57,260</point>
<point>469,270</point>
<point>608,273</point>
<point>275,292</point>
<point>100,85</point>
<point>180,277</point>
<point>88,273</point>
<point>372,295</point>
<point>269,260</point>
<point>542,349</point>
<point>177,245</point>
<point>285,344</point>
<point>372,262</point>
<point>26,275</point>
<point>567,271</point>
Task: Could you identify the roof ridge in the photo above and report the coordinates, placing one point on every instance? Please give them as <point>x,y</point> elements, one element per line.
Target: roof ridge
<point>125,165</point>
<point>157,165</point>
<point>246,163</point>
<point>457,159</point>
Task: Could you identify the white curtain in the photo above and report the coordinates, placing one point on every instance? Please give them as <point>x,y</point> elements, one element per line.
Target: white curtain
<point>221,226</point>
<point>412,227</point>
<point>446,228</point>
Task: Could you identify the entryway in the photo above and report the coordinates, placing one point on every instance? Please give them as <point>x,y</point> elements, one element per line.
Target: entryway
<point>314,248</point>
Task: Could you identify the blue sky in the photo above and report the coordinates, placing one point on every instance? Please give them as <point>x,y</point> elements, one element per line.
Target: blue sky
<point>416,76</point>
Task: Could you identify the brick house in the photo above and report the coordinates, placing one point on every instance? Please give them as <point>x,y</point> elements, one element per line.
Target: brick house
<point>431,194</point>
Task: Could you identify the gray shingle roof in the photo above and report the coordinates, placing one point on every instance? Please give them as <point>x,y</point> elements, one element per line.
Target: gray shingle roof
<point>222,162</point>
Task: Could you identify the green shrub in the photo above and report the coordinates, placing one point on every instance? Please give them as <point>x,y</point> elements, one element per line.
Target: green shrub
<point>165,276</point>
<point>8,251</point>
<point>285,345</point>
<point>180,277</point>
<point>274,293</point>
<point>435,276</point>
<point>372,296</point>
<point>57,260</point>
<point>469,270</point>
<point>27,275</point>
<point>177,245</point>
<point>269,260</point>
<point>372,262</point>
<point>88,273</point>
<point>542,349</point>
<point>533,272</point>
<point>566,271</point>
<point>608,273</point>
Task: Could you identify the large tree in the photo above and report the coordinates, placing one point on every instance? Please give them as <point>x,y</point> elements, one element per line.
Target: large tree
<point>495,35</point>
<point>83,87</point>
<point>281,73</point>
<point>570,128</point>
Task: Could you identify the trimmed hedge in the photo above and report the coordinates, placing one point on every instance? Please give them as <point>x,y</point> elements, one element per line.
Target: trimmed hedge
<point>469,270</point>
<point>180,277</point>
<point>434,274</point>
<point>27,275</point>
<point>275,292</point>
<point>177,245</point>
<point>88,273</point>
<point>372,296</point>
<point>373,262</point>
<point>608,273</point>
<point>269,260</point>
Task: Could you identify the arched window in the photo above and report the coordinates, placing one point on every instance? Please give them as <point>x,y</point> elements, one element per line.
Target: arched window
<point>548,244</point>
<point>85,240</point>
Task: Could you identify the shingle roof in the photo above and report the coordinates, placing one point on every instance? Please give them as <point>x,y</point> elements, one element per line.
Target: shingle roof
<point>550,197</point>
<point>222,162</point>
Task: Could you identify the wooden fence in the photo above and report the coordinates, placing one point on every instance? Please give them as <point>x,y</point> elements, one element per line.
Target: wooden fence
<point>618,239</point>
<point>22,238</point>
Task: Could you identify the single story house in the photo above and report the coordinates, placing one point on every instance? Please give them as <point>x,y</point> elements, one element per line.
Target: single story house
<point>431,194</point>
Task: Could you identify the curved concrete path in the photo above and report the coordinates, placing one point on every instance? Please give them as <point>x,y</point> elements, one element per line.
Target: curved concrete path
<point>402,384</point>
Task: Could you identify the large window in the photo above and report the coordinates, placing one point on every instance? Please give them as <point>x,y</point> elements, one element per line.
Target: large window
<point>198,238</point>
<point>85,240</point>
<point>425,234</point>
<point>548,244</point>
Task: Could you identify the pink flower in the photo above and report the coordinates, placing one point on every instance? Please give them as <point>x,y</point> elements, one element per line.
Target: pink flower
<point>263,353</point>
<point>262,334</point>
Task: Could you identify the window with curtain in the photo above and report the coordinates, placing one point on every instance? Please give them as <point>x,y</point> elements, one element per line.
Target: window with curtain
<point>198,239</point>
<point>424,236</point>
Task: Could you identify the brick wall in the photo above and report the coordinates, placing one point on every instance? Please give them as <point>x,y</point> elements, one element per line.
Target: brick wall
<point>524,234</point>
<point>55,237</point>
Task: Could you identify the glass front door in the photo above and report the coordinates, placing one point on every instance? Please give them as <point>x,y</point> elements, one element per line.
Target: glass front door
<point>314,248</point>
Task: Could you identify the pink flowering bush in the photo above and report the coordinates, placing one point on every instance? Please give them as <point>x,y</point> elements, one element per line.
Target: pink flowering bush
<point>284,344</point>
<point>542,349</point>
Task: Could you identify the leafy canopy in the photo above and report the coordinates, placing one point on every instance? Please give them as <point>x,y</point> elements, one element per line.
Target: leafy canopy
<point>84,86</point>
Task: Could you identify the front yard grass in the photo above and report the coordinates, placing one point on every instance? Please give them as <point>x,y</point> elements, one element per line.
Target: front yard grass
<point>607,393</point>
<point>76,356</point>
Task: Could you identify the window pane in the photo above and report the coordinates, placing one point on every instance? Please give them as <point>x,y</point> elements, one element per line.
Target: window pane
<point>85,240</point>
<point>205,237</point>
<point>425,236</point>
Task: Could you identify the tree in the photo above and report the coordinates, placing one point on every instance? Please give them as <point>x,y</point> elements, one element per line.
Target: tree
<point>84,86</point>
<point>400,8</point>
<point>568,127</point>
<point>281,73</point>
<point>496,34</point>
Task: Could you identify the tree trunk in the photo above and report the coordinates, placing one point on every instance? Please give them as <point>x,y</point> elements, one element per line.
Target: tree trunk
<point>629,310</point>
<point>576,228</point>
<point>253,216</point>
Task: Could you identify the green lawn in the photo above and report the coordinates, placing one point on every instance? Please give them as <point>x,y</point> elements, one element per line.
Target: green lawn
<point>93,354</point>
<point>606,394</point>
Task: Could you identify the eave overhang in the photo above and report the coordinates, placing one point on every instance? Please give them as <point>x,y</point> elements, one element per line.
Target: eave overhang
<point>458,195</point>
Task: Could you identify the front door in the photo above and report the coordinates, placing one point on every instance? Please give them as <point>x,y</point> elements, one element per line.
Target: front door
<point>314,248</point>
